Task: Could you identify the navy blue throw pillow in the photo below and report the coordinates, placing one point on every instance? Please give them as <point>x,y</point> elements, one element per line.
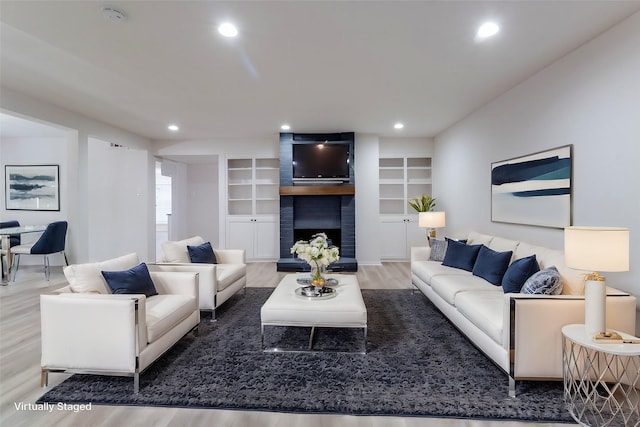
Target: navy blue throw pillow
<point>491,265</point>
<point>518,273</point>
<point>460,255</point>
<point>136,280</point>
<point>202,254</point>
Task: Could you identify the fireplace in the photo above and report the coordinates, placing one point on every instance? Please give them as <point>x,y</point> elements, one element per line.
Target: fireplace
<point>333,235</point>
<point>307,209</point>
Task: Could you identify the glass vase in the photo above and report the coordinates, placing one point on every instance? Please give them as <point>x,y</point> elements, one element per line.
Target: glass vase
<point>317,275</point>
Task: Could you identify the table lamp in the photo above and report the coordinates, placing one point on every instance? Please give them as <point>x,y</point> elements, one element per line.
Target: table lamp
<point>596,249</point>
<point>431,220</point>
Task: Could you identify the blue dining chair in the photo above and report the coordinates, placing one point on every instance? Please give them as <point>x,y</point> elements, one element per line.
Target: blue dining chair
<point>52,241</point>
<point>14,239</point>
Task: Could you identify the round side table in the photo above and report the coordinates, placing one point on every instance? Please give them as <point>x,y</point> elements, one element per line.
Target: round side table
<point>601,381</point>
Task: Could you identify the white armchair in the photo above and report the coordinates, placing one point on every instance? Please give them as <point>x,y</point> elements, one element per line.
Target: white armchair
<point>218,282</point>
<point>107,334</point>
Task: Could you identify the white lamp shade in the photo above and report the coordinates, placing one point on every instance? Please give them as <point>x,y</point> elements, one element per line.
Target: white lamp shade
<point>431,219</point>
<point>597,248</point>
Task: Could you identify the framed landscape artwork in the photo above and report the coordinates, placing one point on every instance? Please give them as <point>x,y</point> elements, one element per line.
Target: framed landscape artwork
<point>533,189</point>
<point>32,188</point>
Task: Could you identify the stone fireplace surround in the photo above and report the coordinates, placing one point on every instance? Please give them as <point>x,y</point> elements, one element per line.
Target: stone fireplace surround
<point>306,209</point>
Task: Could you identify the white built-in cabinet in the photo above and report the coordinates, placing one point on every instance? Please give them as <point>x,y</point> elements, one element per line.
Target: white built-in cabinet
<point>253,206</point>
<point>397,234</point>
<point>259,236</point>
<point>401,179</point>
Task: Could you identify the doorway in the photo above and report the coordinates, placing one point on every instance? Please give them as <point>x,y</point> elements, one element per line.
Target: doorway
<point>163,208</point>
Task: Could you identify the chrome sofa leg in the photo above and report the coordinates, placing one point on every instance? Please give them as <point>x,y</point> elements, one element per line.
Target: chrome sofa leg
<point>213,310</point>
<point>44,378</point>
<point>512,387</point>
<point>364,348</point>
<point>136,382</point>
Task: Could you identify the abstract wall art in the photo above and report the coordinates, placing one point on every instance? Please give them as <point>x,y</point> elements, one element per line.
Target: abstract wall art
<point>533,189</point>
<point>32,187</point>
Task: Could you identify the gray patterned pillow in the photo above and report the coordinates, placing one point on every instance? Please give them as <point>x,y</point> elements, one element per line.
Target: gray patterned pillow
<point>438,249</point>
<point>546,282</point>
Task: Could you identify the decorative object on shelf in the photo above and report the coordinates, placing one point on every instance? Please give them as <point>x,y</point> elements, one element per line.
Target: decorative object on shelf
<point>318,254</point>
<point>533,189</point>
<point>423,203</point>
<point>601,249</point>
<point>431,220</point>
<point>32,187</point>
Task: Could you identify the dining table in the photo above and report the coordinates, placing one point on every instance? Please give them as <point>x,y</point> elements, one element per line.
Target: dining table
<point>5,233</point>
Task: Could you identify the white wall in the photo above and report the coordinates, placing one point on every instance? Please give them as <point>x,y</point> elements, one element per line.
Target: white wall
<point>37,151</point>
<point>202,200</point>
<point>199,196</point>
<point>591,99</point>
<point>366,198</point>
<point>193,151</point>
<point>368,150</point>
<point>118,197</point>
<point>76,195</point>
<point>179,204</point>
<point>399,146</point>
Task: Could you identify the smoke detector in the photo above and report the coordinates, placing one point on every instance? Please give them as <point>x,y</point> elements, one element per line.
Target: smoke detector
<point>113,15</point>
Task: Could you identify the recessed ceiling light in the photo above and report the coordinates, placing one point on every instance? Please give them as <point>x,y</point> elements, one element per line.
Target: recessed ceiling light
<point>487,29</point>
<point>173,128</point>
<point>398,126</point>
<point>227,29</point>
<point>285,127</point>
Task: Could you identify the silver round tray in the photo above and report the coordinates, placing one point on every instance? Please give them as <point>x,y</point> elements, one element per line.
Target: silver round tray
<point>307,281</point>
<point>311,293</point>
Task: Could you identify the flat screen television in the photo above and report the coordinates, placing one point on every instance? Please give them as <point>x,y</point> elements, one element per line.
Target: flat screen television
<point>321,161</point>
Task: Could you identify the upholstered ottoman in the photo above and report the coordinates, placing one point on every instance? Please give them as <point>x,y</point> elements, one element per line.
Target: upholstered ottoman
<point>285,308</point>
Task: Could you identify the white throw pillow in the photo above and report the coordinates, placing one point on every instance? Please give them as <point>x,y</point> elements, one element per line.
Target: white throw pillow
<point>88,277</point>
<point>177,252</point>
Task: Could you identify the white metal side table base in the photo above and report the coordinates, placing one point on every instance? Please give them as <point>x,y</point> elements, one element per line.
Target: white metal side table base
<point>601,381</point>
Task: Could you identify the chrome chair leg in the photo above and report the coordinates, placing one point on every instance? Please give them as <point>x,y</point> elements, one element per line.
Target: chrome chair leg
<point>14,267</point>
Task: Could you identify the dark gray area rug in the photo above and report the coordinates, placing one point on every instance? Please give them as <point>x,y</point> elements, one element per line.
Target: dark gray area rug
<point>417,364</point>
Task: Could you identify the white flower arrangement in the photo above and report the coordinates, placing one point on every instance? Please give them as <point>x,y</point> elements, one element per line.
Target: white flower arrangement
<point>316,252</point>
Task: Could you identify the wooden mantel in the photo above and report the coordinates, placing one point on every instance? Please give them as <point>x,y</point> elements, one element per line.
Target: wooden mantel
<point>318,190</point>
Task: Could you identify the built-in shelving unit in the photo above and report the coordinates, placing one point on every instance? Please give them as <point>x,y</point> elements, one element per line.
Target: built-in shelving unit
<point>253,206</point>
<point>402,178</point>
<point>252,186</point>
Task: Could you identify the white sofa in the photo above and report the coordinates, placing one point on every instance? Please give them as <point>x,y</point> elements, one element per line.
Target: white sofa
<point>218,282</point>
<point>521,333</point>
<point>87,330</point>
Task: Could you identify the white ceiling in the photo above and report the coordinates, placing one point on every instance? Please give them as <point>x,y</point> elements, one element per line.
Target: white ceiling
<point>321,66</point>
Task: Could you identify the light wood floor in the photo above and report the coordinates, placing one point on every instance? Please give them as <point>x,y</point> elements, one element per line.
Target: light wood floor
<point>20,367</point>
